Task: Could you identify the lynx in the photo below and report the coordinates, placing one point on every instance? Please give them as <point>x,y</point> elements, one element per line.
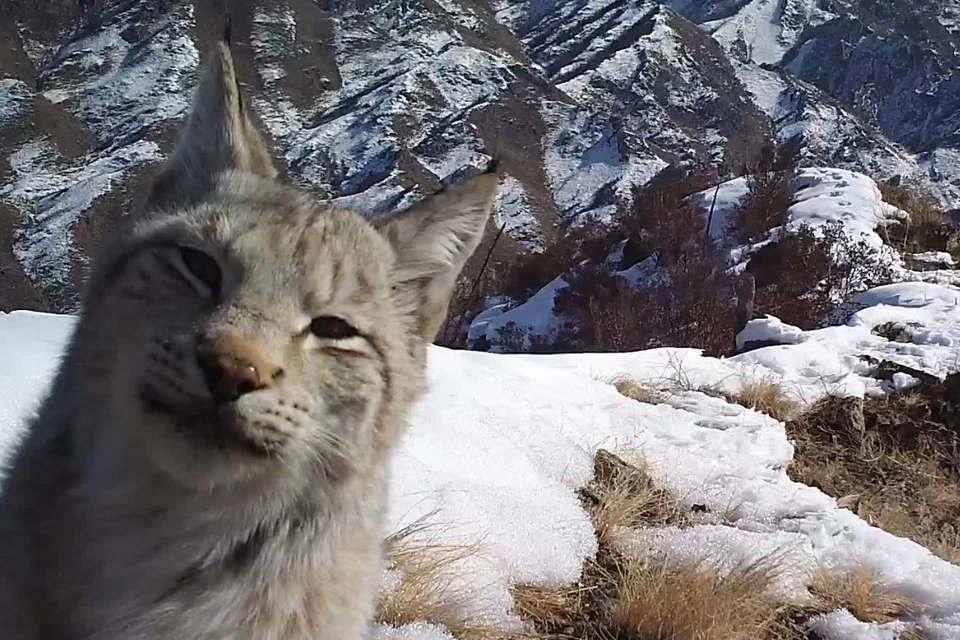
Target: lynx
<point>212,458</point>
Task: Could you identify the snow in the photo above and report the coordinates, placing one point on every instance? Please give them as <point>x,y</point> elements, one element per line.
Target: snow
<point>723,201</point>
<point>30,365</point>
<point>943,167</point>
<point>825,195</point>
<point>13,94</point>
<point>414,95</point>
<point>841,625</point>
<point>909,294</point>
<point>762,30</point>
<point>514,213</point>
<point>273,35</point>
<point>119,84</point>
<point>416,631</point>
<point>583,159</point>
<point>498,447</point>
<point>57,194</point>
<point>535,316</point>
<point>769,329</point>
<point>834,136</point>
<point>117,87</point>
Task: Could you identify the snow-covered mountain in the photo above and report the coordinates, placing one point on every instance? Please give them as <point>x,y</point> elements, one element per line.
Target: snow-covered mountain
<point>373,103</point>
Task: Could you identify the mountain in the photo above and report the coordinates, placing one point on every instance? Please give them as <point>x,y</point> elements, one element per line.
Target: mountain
<point>374,103</point>
<point>891,65</point>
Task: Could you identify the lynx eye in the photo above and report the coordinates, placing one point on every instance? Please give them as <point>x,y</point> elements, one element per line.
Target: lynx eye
<point>203,267</point>
<point>332,328</point>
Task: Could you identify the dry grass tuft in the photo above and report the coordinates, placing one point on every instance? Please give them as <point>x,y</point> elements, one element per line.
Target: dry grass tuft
<point>639,392</point>
<point>425,588</point>
<point>860,592</point>
<point>695,601</point>
<point>765,396</point>
<point>624,495</point>
<point>889,459</point>
<point>552,610</point>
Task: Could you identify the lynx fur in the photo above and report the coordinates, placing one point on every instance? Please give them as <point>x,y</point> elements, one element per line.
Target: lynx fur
<point>212,458</point>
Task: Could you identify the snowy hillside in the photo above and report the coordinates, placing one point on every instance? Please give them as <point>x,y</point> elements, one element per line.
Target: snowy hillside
<point>500,444</point>
<point>375,103</point>
<point>821,196</point>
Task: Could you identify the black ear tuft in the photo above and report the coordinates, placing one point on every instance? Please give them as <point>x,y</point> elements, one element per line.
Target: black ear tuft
<point>228,30</point>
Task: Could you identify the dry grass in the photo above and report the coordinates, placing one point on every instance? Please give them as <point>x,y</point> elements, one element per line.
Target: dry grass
<point>624,495</point>
<point>693,601</point>
<point>860,592</point>
<point>890,460</point>
<point>639,392</point>
<point>629,597</point>
<point>766,396</point>
<point>425,589</point>
<point>928,227</point>
<point>634,597</point>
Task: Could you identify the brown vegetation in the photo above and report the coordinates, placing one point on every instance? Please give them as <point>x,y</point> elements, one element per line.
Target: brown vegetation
<point>766,396</point>
<point>681,291</point>
<point>804,275</point>
<point>859,592</point>
<point>769,192</point>
<point>927,227</point>
<point>892,459</point>
<point>632,595</point>
<point>424,588</point>
<point>639,597</point>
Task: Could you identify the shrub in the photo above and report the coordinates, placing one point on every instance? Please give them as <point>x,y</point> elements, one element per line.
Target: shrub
<point>663,219</point>
<point>858,591</point>
<point>891,459</point>
<point>690,303</point>
<point>805,274</point>
<point>692,306</point>
<point>927,227</point>
<point>769,192</point>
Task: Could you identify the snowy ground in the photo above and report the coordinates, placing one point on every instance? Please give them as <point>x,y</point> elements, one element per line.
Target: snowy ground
<point>500,444</point>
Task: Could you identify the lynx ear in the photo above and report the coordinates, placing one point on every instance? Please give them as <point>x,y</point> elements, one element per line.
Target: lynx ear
<point>218,137</point>
<point>432,241</point>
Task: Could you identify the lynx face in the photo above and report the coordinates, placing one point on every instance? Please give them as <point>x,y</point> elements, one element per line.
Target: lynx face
<point>265,334</point>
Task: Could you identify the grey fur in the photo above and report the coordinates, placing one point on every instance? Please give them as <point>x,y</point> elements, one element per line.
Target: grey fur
<point>136,510</point>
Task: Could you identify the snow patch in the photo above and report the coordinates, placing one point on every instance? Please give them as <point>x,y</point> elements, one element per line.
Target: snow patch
<point>14,94</point>
<point>119,88</point>
<point>514,213</point>
<point>769,330</point>
<point>56,195</point>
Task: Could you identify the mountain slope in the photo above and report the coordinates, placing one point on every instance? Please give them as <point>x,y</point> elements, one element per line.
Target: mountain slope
<point>889,67</point>
<point>375,103</point>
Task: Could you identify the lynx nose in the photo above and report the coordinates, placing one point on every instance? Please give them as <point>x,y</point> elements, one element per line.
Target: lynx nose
<point>229,377</point>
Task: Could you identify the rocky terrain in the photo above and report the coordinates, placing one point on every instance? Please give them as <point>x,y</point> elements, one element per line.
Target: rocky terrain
<point>373,103</point>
